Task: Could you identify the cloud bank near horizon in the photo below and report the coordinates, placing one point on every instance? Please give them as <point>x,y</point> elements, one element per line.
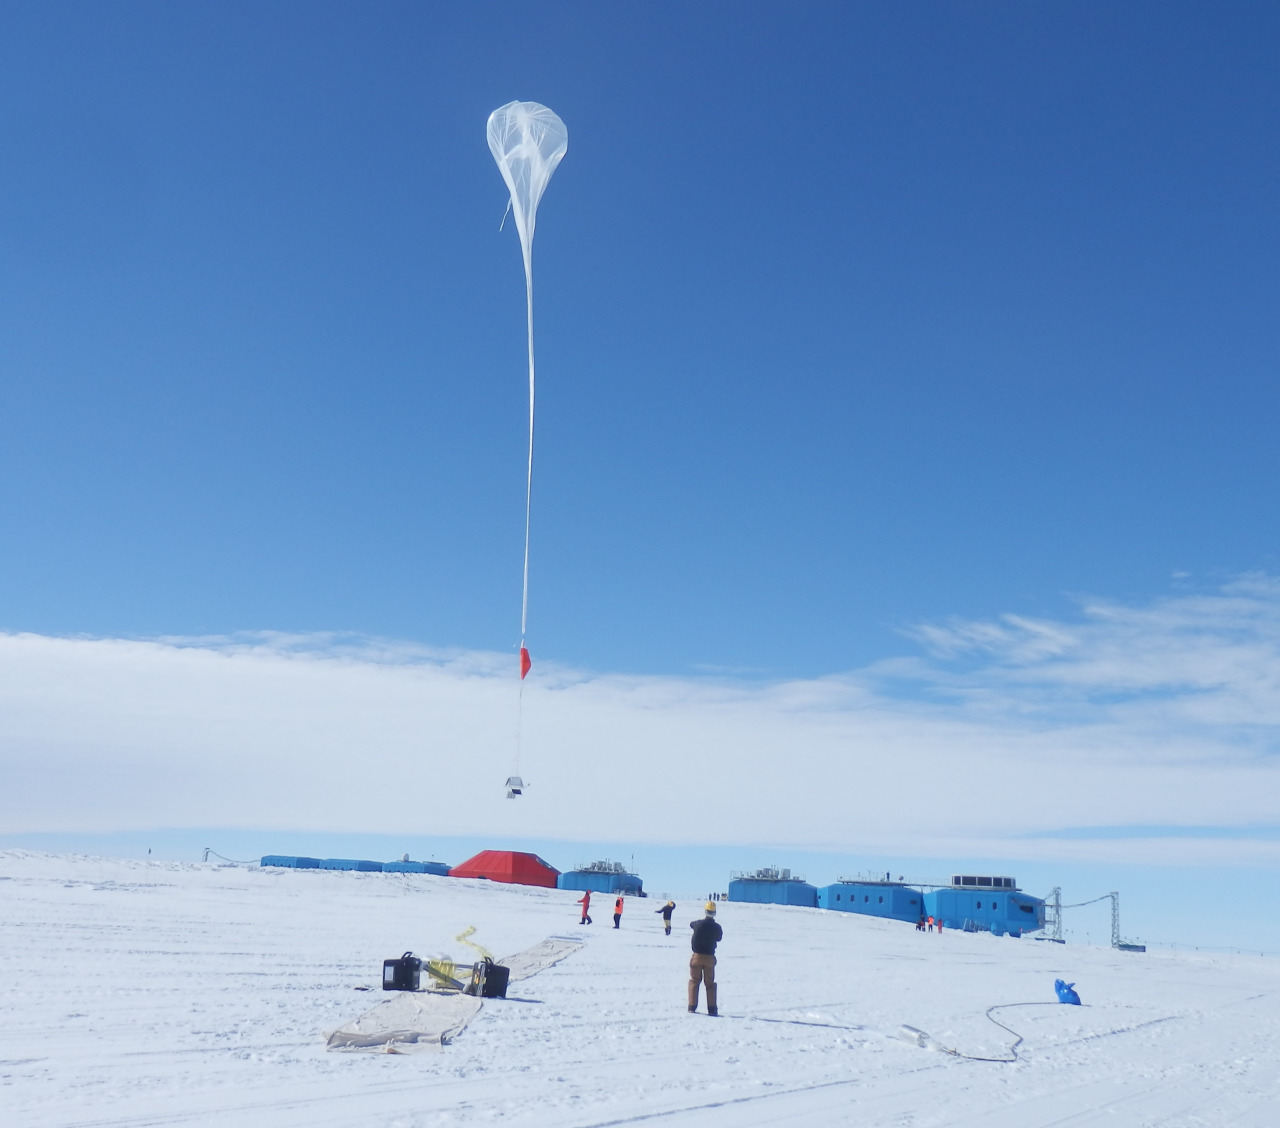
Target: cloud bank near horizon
<point>1129,733</point>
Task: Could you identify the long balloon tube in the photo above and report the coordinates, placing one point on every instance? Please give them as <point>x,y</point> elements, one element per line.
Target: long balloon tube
<point>528,508</point>
<point>528,490</point>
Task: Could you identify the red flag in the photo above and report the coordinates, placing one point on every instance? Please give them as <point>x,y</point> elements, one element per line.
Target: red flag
<point>526,662</point>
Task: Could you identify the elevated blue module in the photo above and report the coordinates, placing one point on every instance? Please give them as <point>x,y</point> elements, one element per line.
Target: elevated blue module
<point>437,868</point>
<point>290,862</point>
<point>404,866</point>
<point>985,904</point>
<point>772,886</point>
<point>889,899</point>
<point>602,877</point>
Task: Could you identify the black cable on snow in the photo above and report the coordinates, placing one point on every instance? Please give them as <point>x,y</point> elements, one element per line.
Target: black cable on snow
<point>1013,1050</point>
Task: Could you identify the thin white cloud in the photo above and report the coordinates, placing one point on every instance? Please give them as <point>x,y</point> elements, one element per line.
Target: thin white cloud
<point>999,735</point>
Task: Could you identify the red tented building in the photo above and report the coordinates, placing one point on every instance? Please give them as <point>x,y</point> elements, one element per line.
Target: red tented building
<point>510,866</point>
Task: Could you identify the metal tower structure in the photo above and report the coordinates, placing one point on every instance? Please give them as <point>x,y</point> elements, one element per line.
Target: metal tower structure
<point>1114,897</point>
<point>1053,915</point>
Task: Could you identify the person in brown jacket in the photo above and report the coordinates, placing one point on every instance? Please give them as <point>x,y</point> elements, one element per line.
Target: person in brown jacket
<point>707,933</point>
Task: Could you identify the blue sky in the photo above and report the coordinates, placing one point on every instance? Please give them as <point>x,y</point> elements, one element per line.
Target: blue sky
<point>848,316</point>
<point>861,329</point>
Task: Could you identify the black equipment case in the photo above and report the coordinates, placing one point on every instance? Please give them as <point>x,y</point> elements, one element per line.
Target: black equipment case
<point>402,974</point>
<point>489,980</point>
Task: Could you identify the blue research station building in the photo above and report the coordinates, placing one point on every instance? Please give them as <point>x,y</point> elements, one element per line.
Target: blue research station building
<point>602,877</point>
<point>971,903</point>
<point>889,899</point>
<point>289,861</point>
<point>979,904</point>
<point>772,886</point>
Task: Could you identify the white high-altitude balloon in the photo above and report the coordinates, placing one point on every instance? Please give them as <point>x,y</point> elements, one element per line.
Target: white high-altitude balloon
<point>528,141</point>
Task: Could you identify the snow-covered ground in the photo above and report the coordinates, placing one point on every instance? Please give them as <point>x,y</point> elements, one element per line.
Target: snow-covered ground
<point>153,994</point>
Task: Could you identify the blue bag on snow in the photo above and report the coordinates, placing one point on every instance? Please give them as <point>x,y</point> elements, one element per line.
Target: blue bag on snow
<point>1066,992</point>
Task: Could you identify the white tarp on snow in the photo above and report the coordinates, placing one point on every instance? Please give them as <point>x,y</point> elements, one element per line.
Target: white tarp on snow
<point>418,1020</point>
<point>412,1019</point>
<point>542,955</point>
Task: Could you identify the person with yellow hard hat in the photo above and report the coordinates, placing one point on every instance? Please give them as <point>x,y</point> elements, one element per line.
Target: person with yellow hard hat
<point>707,933</point>
<point>666,912</point>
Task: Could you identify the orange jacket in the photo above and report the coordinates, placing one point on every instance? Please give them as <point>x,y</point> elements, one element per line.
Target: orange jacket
<point>617,905</point>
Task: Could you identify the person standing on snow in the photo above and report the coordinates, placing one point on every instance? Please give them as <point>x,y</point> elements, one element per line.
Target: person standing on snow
<point>666,912</point>
<point>617,911</point>
<point>585,902</point>
<point>707,933</point>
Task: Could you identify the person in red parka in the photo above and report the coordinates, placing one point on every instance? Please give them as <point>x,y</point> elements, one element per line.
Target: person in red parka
<point>617,911</point>
<point>585,902</point>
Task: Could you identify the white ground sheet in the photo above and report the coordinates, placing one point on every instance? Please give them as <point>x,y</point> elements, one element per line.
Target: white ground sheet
<point>138,995</point>
<point>424,1019</point>
<point>410,1020</point>
<point>547,953</point>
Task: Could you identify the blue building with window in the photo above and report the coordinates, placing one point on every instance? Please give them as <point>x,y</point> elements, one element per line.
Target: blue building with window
<point>889,899</point>
<point>602,877</point>
<point>985,904</point>
<point>440,869</point>
<point>288,861</point>
<point>772,886</point>
<point>363,865</point>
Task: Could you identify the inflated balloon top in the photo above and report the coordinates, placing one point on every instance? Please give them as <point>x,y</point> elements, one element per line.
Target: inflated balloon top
<point>528,141</point>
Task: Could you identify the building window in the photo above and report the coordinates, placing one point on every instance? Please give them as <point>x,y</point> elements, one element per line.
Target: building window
<point>979,904</point>
<point>866,897</point>
<point>880,899</point>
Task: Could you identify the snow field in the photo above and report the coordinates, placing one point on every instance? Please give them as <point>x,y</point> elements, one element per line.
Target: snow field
<point>149,994</point>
